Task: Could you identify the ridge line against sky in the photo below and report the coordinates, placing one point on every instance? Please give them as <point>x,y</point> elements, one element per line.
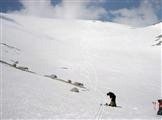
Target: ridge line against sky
<point>131,12</point>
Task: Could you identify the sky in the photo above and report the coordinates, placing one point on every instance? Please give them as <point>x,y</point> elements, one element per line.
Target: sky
<point>131,12</point>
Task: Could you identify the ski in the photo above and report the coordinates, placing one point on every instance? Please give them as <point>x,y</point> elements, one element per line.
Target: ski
<point>110,106</point>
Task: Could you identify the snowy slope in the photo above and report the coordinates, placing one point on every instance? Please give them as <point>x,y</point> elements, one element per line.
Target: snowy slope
<point>104,56</point>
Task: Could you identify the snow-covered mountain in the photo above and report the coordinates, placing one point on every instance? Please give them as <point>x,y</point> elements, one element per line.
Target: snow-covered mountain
<point>103,56</point>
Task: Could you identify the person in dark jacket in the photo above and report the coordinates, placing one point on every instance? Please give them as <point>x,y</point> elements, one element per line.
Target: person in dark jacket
<point>113,99</point>
<point>160,107</point>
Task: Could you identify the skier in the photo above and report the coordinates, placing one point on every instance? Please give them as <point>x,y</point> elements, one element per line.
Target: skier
<point>160,107</point>
<point>113,99</point>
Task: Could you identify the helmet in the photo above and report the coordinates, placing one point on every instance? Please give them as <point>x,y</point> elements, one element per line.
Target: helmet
<point>108,93</point>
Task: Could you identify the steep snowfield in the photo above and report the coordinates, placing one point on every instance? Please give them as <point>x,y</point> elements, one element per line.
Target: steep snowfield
<point>104,56</point>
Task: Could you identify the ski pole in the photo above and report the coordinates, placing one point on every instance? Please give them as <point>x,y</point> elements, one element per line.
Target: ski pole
<point>98,111</point>
<point>101,113</point>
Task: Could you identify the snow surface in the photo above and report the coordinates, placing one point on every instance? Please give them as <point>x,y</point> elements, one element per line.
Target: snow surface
<point>104,56</point>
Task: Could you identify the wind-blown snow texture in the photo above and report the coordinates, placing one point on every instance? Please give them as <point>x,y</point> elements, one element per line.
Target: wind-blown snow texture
<point>104,56</point>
